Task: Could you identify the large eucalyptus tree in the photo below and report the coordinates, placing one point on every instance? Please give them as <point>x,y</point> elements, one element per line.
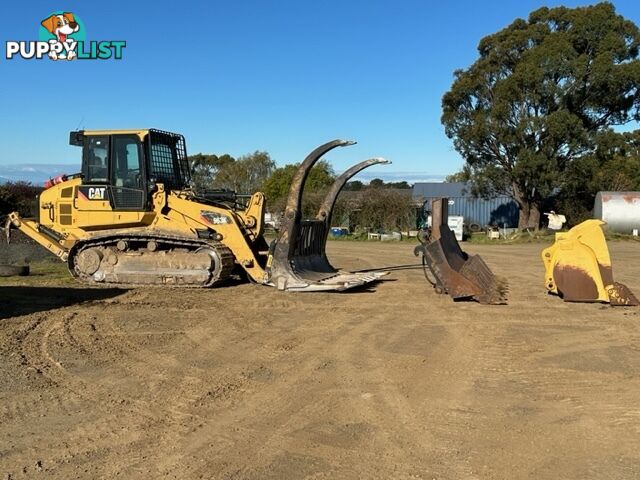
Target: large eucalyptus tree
<point>539,96</point>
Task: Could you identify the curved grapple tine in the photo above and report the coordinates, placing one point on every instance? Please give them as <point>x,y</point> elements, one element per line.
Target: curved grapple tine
<point>291,219</point>
<point>326,209</point>
<point>294,199</point>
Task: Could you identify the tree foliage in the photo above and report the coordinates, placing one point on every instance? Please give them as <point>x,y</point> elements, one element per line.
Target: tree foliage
<point>245,174</point>
<point>385,209</point>
<point>463,176</point>
<point>357,185</point>
<point>354,186</point>
<point>614,166</point>
<point>540,97</point>
<point>204,168</point>
<point>276,188</point>
<point>18,196</point>
<point>402,185</point>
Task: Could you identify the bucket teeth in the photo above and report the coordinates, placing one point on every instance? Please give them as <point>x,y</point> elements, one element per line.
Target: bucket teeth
<point>298,259</point>
<point>493,289</point>
<point>621,295</point>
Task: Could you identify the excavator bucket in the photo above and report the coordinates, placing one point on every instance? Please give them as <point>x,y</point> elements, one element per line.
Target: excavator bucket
<point>297,257</point>
<point>450,270</point>
<point>578,267</point>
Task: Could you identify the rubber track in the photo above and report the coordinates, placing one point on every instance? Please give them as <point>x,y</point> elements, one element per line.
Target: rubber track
<point>173,241</point>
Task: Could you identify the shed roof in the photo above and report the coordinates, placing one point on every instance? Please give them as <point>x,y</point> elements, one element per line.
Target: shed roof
<point>439,189</point>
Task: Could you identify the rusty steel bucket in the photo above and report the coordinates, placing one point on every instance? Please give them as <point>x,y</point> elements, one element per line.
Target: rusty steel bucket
<point>452,271</point>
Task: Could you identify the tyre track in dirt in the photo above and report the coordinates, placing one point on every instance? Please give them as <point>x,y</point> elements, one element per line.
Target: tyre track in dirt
<point>100,432</point>
<point>389,414</point>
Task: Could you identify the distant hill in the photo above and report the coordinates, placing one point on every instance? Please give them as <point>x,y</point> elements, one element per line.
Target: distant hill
<point>409,177</point>
<point>38,173</point>
<point>34,173</point>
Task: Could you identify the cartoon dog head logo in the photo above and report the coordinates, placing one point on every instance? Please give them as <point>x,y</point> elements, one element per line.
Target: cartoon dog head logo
<point>61,26</point>
<point>63,36</point>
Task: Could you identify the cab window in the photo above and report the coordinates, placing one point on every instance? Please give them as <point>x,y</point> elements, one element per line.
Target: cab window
<point>97,154</point>
<point>126,168</point>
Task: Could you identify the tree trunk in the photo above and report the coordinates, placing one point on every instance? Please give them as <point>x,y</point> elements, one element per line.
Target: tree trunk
<point>529,216</point>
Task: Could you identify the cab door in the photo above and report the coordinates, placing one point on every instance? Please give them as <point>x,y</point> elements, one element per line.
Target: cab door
<point>94,195</point>
<point>127,174</point>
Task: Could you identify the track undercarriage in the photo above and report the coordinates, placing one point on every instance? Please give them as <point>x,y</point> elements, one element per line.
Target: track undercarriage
<point>151,260</point>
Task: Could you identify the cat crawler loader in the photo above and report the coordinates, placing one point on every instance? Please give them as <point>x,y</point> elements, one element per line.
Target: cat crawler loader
<point>132,218</point>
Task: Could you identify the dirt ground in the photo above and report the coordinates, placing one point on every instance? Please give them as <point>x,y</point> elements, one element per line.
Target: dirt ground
<point>245,382</point>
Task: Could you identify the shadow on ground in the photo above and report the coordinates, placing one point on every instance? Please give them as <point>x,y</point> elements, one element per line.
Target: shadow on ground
<point>23,300</point>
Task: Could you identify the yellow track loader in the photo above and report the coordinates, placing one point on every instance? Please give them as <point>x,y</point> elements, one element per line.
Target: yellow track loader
<point>578,267</point>
<point>132,218</point>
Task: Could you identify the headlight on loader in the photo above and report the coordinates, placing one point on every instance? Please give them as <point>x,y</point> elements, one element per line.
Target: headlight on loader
<point>215,218</point>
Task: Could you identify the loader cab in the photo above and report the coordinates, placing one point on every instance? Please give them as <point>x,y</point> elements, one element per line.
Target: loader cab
<point>123,166</point>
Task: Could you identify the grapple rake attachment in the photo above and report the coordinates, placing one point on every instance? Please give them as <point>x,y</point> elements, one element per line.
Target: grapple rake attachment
<point>297,257</point>
<point>450,270</point>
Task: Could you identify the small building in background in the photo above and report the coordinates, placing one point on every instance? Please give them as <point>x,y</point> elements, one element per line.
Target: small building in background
<point>501,211</point>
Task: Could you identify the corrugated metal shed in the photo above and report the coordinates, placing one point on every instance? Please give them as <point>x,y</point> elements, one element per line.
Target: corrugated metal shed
<point>438,189</point>
<point>501,210</point>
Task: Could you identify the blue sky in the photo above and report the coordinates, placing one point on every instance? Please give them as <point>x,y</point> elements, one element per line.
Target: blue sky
<point>280,76</point>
